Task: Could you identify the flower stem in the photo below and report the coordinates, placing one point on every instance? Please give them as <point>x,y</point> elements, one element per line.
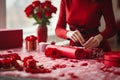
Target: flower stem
<point>36,19</point>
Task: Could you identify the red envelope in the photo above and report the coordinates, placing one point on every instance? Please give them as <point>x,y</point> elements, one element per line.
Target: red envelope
<point>11,38</point>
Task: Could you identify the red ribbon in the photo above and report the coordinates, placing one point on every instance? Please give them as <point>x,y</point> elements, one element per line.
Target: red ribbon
<point>31,38</point>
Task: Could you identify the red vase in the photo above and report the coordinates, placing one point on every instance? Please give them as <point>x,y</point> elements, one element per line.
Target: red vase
<point>42,33</point>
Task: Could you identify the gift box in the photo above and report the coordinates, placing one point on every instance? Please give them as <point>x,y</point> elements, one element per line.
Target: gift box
<point>11,38</point>
<point>112,58</point>
<point>31,43</point>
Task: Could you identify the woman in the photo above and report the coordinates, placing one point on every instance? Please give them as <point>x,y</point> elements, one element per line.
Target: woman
<point>83,18</point>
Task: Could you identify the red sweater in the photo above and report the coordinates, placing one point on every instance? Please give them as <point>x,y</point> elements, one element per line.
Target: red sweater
<point>86,14</point>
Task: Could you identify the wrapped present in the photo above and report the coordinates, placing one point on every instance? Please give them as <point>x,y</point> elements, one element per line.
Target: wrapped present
<point>11,38</point>
<point>72,52</point>
<point>112,58</point>
<point>31,42</point>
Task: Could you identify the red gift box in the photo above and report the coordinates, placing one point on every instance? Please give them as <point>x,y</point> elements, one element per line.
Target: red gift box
<point>11,38</point>
<point>112,58</point>
<point>31,42</point>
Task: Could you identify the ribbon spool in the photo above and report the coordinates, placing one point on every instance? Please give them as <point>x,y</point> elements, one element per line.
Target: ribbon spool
<point>112,58</point>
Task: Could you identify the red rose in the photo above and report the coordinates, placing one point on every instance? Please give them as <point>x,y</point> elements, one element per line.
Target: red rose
<point>39,15</point>
<point>31,63</point>
<point>47,3</point>
<point>6,63</point>
<point>54,9</point>
<point>48,13</point>
<point>42,6</point>
<point>14,57</point>
<point>29,10</point>
<point>25,60</point>
<point>36,3</point>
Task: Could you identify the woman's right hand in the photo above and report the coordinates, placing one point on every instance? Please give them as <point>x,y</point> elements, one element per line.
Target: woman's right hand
<point>75,36</point>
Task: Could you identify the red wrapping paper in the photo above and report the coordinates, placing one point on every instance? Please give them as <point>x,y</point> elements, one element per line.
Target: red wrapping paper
<point>72,52</point>
<point>112,58</point>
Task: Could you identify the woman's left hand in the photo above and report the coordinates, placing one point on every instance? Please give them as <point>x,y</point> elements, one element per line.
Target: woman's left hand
<point>93,42</point>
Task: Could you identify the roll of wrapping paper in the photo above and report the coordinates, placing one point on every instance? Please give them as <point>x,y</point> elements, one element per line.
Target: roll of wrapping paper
<point>75,52</point>
<point>31,42</point>
<point>71,52</point>
<point>112,58</point>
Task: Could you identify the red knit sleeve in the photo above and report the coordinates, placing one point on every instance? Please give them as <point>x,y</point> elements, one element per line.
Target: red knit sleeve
<point>61,24</point>
<point>107,11</point>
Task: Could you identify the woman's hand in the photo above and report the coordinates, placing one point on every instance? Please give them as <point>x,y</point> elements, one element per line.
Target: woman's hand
<point>75,36</point>
<point>93,41</point>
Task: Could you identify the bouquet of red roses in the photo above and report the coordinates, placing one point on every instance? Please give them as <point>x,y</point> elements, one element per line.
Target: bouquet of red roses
<point>40,11</point>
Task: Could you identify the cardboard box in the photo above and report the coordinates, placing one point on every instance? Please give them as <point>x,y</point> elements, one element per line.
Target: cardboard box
<point>11,38</point>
